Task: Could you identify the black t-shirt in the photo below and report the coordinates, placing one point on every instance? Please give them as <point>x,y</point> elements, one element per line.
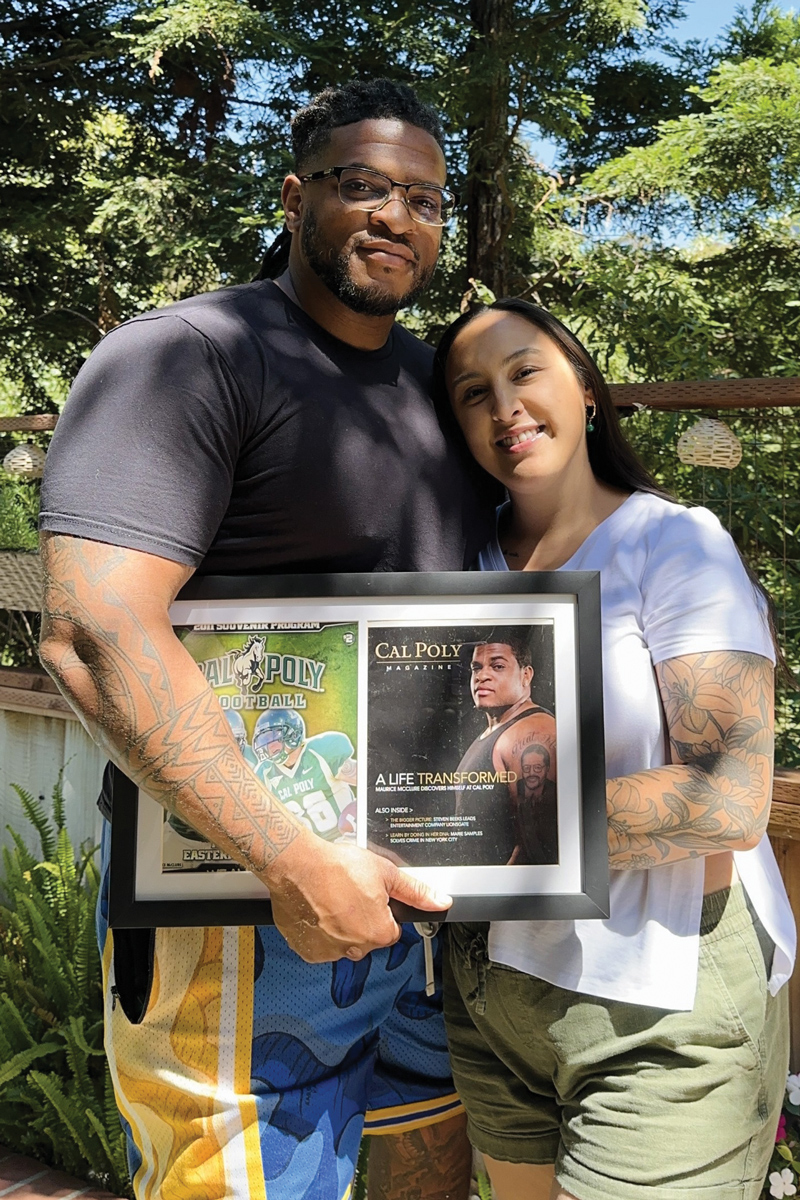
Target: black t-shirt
<point>231,433</point>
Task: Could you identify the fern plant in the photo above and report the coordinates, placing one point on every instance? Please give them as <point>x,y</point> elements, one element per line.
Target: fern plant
<point>484,1186</point>
<point>362,1169</point>
<point>56,1099</point>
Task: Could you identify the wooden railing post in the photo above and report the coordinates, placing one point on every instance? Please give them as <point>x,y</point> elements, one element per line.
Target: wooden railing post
<point>784,833</point>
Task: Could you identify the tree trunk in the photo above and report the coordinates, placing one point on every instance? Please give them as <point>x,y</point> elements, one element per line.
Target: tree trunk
<point>488,212</point>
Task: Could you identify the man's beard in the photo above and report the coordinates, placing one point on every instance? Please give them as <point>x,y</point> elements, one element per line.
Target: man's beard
<point>370,300</point>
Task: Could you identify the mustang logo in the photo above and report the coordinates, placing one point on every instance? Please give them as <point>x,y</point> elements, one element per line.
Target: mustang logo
<point>247,664</point>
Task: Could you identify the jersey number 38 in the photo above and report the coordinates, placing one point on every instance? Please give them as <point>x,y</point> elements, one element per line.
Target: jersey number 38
<point>317,812</point>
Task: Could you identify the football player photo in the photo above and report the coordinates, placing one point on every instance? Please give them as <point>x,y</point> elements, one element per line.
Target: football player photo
<point>288,694</point>
<point>314,777</point>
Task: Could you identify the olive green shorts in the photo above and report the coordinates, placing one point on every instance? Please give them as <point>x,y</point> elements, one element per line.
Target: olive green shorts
<point>623,1097</point>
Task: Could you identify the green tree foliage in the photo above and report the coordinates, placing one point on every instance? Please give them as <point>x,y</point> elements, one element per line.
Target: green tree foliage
<point>143,142</point>
<point>758,503</point>
<point>116,193</point>
<point>495,68</point>
<point>56,1100</point>
<point>680,258</point>
<point>19,511</point>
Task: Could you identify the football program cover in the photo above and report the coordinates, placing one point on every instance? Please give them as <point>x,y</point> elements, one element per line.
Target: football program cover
<point>290,694</point>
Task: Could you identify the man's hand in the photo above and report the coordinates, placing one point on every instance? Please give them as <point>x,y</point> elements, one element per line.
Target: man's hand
<point>332,901</point>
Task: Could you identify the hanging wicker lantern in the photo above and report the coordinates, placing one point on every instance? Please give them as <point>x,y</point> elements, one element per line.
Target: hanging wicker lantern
<point>710,443</point>
<point>27,462</point>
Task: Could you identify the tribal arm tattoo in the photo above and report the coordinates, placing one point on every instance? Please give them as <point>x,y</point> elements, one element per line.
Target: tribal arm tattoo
<point>108,643</point>
<point>716,795</point>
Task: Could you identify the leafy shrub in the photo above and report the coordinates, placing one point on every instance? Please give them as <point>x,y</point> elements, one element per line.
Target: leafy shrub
<point>362,1170</point>
<point>19,509</point>
<point>56,1099</point>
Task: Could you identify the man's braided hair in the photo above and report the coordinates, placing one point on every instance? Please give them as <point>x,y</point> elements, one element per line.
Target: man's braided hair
<point>312,126</point>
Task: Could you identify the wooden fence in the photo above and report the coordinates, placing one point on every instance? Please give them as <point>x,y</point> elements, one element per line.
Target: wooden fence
<point>39,737</point>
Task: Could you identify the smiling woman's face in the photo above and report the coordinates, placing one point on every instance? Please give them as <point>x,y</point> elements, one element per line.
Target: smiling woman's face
<point>518,401</point>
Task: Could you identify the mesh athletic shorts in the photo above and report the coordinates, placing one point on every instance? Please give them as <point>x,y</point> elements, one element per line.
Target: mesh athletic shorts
<point>242,1072</point>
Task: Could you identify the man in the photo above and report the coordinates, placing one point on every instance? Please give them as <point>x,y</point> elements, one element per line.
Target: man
<point>263,428</point>
<point>501,673</point>
<point>314,777</point>
<point>535,809</point>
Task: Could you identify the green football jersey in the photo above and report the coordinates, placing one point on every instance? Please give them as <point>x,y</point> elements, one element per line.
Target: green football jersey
<point>309,788</point>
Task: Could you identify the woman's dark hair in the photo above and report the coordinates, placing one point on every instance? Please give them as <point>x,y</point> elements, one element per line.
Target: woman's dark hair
<point>312,126</point>
<point>611,457</point>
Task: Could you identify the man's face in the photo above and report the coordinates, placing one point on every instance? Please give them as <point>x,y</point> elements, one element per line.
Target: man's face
<point>374,262</point>
<point>534,772</point>
<point>497,679</point>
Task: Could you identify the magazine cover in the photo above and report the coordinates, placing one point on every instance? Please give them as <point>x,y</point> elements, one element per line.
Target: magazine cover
<point>461,758</point>
<point>290,694</point>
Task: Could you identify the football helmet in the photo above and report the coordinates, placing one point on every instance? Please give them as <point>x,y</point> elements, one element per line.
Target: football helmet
<point>277,733</point>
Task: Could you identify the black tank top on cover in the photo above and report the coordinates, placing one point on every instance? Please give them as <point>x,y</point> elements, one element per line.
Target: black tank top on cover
<point>491,835</point>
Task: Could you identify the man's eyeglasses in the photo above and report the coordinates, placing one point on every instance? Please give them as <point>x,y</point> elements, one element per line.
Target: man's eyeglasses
<point>369,191</point>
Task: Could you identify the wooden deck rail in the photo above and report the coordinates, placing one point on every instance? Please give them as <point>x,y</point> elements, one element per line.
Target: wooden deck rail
<point>709,393</point>
<point>29,691</point>
<point>782,392</point>
<point>34,423</point>
<point>784,833</point>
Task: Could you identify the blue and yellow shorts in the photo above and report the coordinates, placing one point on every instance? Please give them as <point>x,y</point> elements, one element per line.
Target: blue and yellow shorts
<point>243,1073</point>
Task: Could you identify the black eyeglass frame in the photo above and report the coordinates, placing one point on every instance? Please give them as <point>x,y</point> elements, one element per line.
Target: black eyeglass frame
<point>449,199</point>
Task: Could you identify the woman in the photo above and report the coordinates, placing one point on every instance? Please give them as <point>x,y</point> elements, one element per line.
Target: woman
<point>648,1051</point>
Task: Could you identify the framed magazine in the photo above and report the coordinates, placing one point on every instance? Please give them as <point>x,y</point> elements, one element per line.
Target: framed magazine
<point>450,721</point>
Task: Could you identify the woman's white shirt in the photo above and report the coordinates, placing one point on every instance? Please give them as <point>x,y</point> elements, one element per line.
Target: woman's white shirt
<point>671,583</point>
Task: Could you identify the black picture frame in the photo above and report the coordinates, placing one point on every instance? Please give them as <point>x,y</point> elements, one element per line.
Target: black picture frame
<point>143,896</point>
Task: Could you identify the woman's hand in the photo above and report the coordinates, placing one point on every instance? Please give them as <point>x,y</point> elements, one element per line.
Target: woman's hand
<point>716,795</point>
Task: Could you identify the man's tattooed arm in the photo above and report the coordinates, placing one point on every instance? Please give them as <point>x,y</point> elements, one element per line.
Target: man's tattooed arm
<point>108,643</point>
<point>716,795</point>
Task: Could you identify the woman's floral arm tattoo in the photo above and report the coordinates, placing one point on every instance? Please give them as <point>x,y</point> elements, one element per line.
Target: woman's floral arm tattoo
<point>716,795</point>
